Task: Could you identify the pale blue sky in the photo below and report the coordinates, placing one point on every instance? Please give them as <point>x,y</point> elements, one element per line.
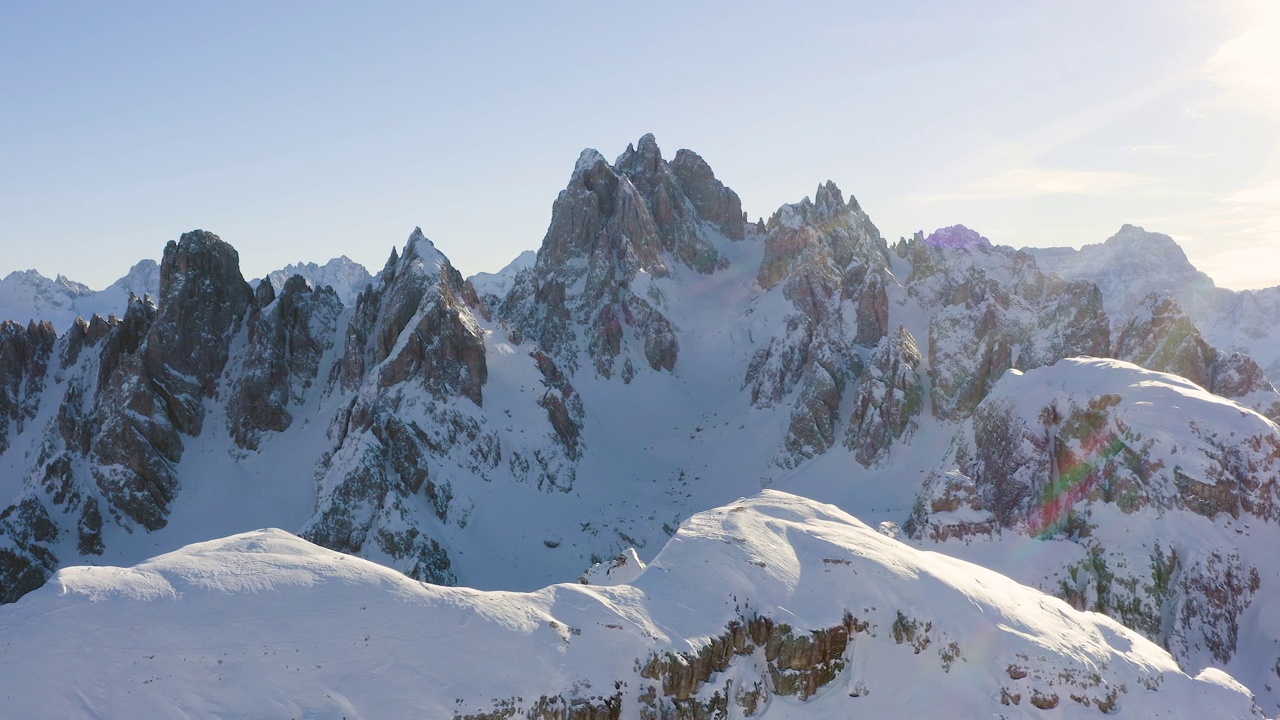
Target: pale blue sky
<point>302,131</point>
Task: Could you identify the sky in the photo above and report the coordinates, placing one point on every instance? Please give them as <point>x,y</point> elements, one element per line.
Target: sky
<point>304,131</point>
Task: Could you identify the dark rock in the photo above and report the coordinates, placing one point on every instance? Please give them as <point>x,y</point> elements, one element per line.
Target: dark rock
<point>288,336</point>
<point>416,325</point>
<point>834,269</point>
<point>713,202</point>
<point>152,388</point>
<point>609,225</point>
<point>889,399</point>
<point>25,354</point>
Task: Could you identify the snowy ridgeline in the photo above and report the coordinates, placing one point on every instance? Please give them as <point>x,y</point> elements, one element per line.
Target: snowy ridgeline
<point>773,607</point>
<point>27,295</point>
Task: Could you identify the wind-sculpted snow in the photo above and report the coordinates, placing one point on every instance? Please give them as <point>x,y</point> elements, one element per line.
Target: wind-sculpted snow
<point>772,607</point>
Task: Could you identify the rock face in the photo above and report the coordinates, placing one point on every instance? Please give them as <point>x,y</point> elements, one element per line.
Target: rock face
<point>994,311</point>
<point>288,337</point>
<point>833,268</point>
<point>413,340</point>
<point>1061,452</point>
<point>423,329</point>
<point>711,200</point>
<point>678,216</point>
<point>24,360</point>
<point>889,399</point>
<point>611,229</point>
<point>130,389</point>
<point>155,395</point>
<point>1159,336</point>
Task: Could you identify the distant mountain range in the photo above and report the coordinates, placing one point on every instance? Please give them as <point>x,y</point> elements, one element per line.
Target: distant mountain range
<point>662,383</point>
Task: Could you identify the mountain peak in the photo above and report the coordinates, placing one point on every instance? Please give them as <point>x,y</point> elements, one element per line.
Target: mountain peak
<point>1132,238</point>
<point>828,199</point>
<point>956,236</point>
<point>587,159</point>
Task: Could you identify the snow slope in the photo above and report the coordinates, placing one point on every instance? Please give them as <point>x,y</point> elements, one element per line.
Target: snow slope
<point>497,285</point>
<point>1130,492</point>
<point>263,624</point>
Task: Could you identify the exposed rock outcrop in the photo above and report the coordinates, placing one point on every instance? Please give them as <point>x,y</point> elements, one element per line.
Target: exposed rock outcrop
<point>994,311</point>
<point>1160,336</point>
<point>416,324</point>
<point>833,268</point>
<point>129,390</point>
<point>156,395</point>
<point>888,401</point>
<point>612,229</point>
<point>24,360</point>
<point>412,350</point>
<point>1046,464</point>
<point>288,336</point>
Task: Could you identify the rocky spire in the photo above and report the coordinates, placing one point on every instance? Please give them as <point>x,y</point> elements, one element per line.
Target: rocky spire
<point>151,397</point>
<point>24,361</point>
<point>610,223</point>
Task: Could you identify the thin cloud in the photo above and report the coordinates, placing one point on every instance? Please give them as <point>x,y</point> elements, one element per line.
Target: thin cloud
<point>1070,128</point>
<point>1265,193</point>
<point>1032,182</point>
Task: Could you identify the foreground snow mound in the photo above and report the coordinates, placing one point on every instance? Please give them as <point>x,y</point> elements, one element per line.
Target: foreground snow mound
<point>775,606</point>
<point>1128,492</point>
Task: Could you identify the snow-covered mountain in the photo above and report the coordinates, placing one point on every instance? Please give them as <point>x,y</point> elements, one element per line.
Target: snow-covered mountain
<point>28,295</point>
<point>657,357</point>
<point>493,287</point>
<point>772,607</point>
<point>1135,263</point>
<point>346,276</point>
<point>1138,494</point>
